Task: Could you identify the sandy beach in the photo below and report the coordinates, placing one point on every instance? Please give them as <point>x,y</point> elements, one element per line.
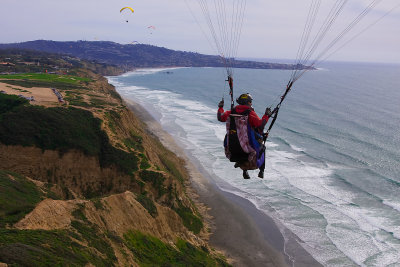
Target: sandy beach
<point>245,235</point>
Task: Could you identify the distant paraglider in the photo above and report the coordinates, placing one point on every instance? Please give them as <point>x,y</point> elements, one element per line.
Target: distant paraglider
<point>151,28</point>
<point>126,12</point>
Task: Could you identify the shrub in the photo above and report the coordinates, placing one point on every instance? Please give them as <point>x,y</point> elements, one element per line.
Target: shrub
<point>8,102</point>
<point>170,166</point>
<point>157,180</point>
<point>95,239</point>
<point>46,248</point>
<point>148,204</point>
<point>18,197</point>
<point>190,220</point>
<point>134,142</point>
<point>151,251</point>
<point>144,163</point>
<point>63,129</point>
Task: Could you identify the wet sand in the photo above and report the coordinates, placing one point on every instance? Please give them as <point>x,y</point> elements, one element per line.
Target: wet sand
<point>245,235</point>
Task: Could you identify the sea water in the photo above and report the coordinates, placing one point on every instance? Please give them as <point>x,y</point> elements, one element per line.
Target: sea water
<point>332,173</point>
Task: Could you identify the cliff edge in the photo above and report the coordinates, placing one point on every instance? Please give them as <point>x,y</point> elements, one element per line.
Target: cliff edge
<point>84,182</point>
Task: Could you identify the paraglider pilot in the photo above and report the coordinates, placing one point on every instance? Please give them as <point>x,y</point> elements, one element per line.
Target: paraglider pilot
<point>243,140</point>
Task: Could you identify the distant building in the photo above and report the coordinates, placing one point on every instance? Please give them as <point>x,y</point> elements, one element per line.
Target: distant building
<point>7,64</point>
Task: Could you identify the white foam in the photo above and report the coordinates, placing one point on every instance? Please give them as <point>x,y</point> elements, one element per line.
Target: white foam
<point>148,71</point>
<point>299,149</point>
<point>393,204</point>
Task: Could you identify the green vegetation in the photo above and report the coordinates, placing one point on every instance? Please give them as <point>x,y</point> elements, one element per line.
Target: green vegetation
<point>38,83</point>
<point>9,102</point>
<point>112,118</point>
<point>18,197</point>
<point>144,162</point>
<point>134,142</point>
<point>76,100</point>
<point>91,234</point>
<point>148,204</point>
<point>157,180</point>
<point>170,166</point>
<point>68,79</point>
<point>52,128</point>
<point>62,129</point>
<point>79,213</point>
<point>190,220</point>
<point>98,204</point>
<point>30,61</point>
<point>46,248</point>
<point>95,239</point>
<point>100,103</point>
<point>151,251</point>
<point>115,95</point>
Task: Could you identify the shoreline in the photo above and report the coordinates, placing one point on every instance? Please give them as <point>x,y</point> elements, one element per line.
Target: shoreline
<point>243,233</point>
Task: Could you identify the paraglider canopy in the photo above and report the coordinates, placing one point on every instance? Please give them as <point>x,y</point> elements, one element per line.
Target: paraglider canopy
<point>127,7</point>
<point>126,12</point>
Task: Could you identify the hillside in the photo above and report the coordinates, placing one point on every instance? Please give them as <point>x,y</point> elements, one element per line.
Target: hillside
<point>82,181</point>
<point>131,56</point>
<point>13,60</point>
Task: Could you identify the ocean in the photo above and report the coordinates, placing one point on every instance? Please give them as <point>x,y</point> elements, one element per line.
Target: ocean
<point>332,173</point>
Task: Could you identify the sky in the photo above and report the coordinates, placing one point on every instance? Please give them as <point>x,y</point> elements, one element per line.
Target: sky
<point>271,29</point>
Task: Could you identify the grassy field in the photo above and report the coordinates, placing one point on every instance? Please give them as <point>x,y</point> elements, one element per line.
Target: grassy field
<point>46,77</point>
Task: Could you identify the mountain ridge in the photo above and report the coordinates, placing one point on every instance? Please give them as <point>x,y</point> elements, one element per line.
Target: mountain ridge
<point>131,56</point>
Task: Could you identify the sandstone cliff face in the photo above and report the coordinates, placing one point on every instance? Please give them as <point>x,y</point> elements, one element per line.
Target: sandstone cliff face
<point>118,214</point>
<point>73,172</point>
<point>113,201</point>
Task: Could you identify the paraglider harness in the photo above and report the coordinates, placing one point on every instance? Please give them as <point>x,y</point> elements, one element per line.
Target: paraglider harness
<point>243,144</point>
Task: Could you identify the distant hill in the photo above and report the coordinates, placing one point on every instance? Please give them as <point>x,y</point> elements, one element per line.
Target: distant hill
<point>131,56</point>
<point>14,60</point>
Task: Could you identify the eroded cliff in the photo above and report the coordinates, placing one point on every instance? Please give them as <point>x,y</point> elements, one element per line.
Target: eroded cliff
<point>98,186</point>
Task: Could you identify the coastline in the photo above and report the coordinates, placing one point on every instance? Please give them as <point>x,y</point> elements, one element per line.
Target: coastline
<point>244,234</point>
